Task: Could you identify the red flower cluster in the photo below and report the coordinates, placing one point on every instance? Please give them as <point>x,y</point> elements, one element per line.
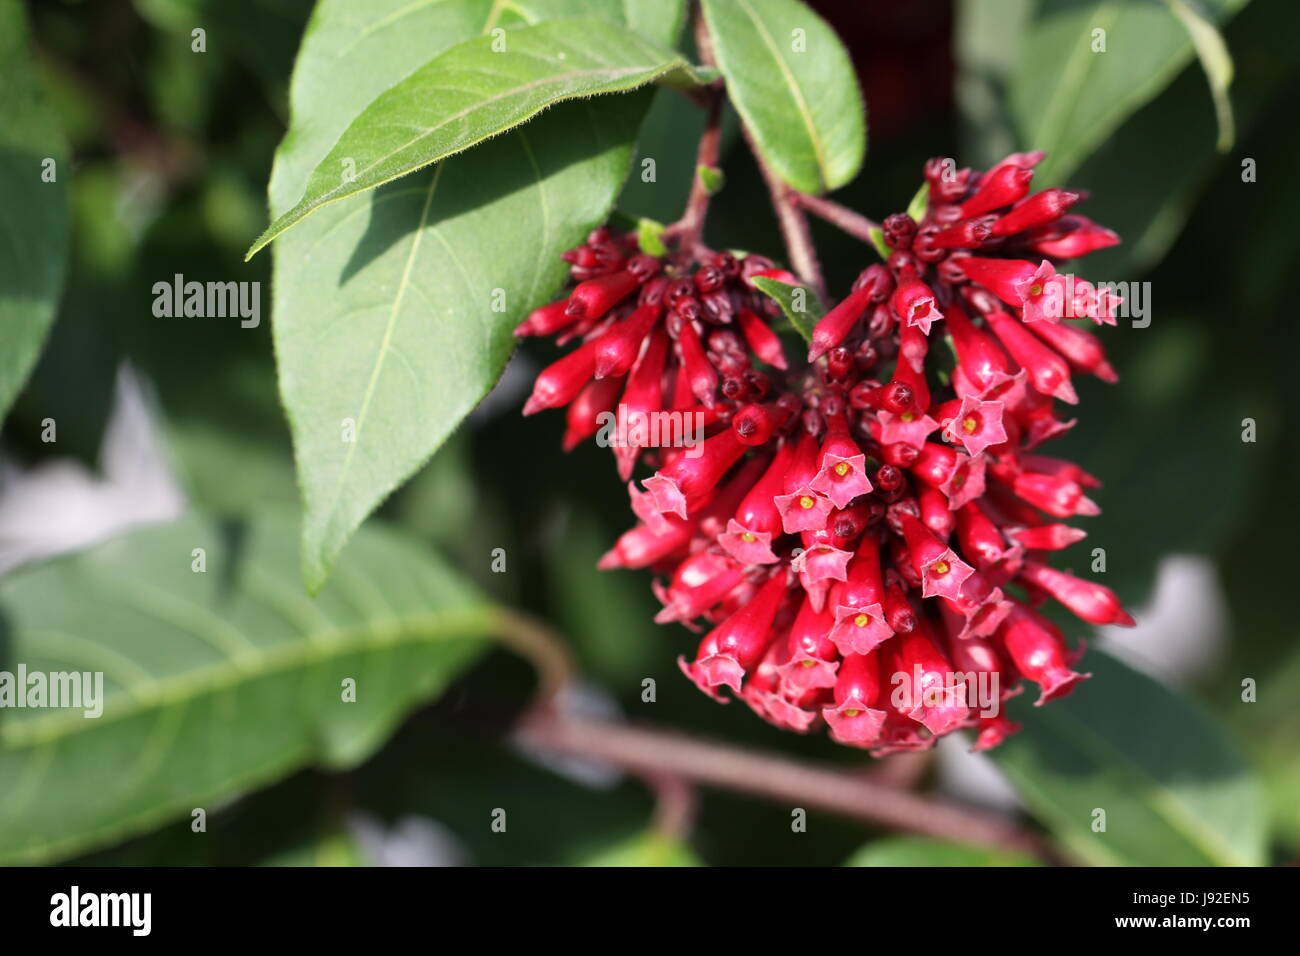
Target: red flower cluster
<point>868,537</point>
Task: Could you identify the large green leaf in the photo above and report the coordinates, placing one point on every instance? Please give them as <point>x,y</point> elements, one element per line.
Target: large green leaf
<point>1174,788</point>
<point>925,851</point>
<point>474,91</point>
<point>33,211</point>
<point>1067,99</point>
<point>793,85</point>
<point>1147,177</point>
<point>213,682</point>
<point>383,302</point>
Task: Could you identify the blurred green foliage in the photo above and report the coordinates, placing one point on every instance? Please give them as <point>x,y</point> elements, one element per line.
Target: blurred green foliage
<point>171,153</point>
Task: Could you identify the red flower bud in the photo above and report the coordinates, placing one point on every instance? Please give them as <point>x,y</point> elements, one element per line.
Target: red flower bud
<point>595,297</point>
<point>1094,603</point>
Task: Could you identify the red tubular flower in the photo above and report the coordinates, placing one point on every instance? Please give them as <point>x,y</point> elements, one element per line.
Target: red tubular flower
<point>1094,603</point>
<point>1038,649</point>
<point>546,320</point>
<point>935,513</point>
<point>975,425</point>
<point>834,326</point>
<point>993,730</point>
<point>1049,537</point>
<point>757,520</point>
<point>847,529</point>
<point>1071,237</point>
<point>857,603</point>
<point>764,342</point>
<point>981,538</point>
<point>698,371</point>
<point>813,659</point>
<point>841,466</point>
<point>698,583</point>
<point>941,571</point>
<point>1048,371</point>
<point>642,397</point>
<point>1055,494</point>
<point>756,424</point>
<point>925,684</point>
<point>641,547</point>
<point>769,697</point>
<point>583,418</point>
<point>963,235</point>
<point>1002,186</point>
<point>595,297</point>
<point>1037,210</point>
<point>899,613</point>
<point>1081,348</point>
<point>562,380</point>
<point>801,507</point>
<point>914,304</point>
<point>688,479</point>
<point>618,348</point>
<point>737,644</point>
<point>854,720</point>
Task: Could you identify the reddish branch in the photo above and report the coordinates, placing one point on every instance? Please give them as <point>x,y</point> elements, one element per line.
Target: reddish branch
<point>689,230</point>
<point>794,226</point>
<point>652,753</point>
<point>842,217</point>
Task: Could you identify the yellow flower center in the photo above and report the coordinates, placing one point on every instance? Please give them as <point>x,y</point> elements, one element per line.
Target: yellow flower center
<point>806,502</point>
<point>1035,289</point>
<point>747,537</point>
<point>941,567</point>
<point>852,713</point>
<point>862,620</point>
<point>842,469</point>
<point>970,425</point>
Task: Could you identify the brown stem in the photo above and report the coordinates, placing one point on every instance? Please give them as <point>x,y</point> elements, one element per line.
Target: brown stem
<point>542,648</point>
<point>689,230</point>
<point>675,801</point>
<point>650,753</point>
<point>842,217</point>
<point>795,233</point>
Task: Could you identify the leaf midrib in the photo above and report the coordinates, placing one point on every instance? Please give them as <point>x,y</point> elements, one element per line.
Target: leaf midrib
<point>306,206</point>
<point>801,105</point>
<point>309,650</point>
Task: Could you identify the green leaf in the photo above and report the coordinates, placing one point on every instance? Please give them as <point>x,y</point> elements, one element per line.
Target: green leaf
<point>1174,788</point>
<point>1215,60</point>
<point>986,44</point>
<point>644,850</point>
<point>798,302</point>
<point>792,83</point>
<point>878,242</point>
<point>1147,177</point>
<point>649,237</point>
<point>383,302</point>
<point>924,851</point>
<point>474,91</point>
<point>34,222</point>
<point>712,178</point>
<point>216,682</point>
<point>1067,99</point>
<point>919,203</point>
